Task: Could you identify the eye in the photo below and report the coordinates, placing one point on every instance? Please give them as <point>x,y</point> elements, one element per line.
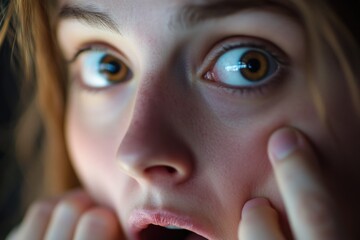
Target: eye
<point>100,69</point>
<point>243,67</point>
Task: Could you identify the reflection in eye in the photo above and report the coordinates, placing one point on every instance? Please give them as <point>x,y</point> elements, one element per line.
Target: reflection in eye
<point>100,69</point>
<point>243,67</point>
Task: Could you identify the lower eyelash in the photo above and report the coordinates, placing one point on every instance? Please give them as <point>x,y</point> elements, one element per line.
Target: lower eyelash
<point>260,90</point>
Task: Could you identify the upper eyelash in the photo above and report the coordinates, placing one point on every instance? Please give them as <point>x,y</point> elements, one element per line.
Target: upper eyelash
<point>227,47</point>
<point>73,59</point>
<point>100,47</point>
<point>86,49</point>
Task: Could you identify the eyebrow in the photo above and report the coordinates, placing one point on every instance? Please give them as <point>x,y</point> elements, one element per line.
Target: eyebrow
<point>90,15</point>
<point>187,17</point>
<point>192,15</point>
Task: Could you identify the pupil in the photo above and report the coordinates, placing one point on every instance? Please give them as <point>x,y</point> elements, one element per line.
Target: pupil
<point>110,67</point>
<point>253,65</point>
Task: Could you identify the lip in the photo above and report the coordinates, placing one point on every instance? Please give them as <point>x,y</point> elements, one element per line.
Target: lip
<point>140,219</point>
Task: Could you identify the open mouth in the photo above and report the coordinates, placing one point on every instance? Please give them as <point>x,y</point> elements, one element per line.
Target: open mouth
<point>165,225</point>
<point>153,232</point>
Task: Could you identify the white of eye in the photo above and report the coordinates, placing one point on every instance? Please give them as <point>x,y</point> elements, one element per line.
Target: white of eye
<point>228,68</point>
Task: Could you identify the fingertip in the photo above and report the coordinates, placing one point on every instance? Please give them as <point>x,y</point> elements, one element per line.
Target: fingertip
<point>255,203</point>
<point>259,220</point>
<point>283,143</point>
<point>257,208</point>
<point>98,223</point>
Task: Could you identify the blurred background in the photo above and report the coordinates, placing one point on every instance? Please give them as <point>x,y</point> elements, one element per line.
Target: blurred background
<point>10,174</point>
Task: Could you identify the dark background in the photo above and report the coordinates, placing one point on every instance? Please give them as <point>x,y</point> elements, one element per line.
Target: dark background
<point>10,174</point>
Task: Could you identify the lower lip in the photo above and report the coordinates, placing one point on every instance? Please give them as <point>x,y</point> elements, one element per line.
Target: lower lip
<point>141,219</point>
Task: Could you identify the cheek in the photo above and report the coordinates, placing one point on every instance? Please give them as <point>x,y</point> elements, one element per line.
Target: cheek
<point>238,145</point>
<point>237,168</point>
<point>94,129</point>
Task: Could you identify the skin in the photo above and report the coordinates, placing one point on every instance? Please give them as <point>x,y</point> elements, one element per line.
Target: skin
<point>261,159</point>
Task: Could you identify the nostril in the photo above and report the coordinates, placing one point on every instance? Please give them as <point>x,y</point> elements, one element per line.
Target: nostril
<point>170,170</point>
<point>165,174</point>
<point>157,169</point>
<point>161,170</point>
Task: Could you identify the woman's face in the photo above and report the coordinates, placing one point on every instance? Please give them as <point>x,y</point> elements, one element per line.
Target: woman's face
<point>171,104</point>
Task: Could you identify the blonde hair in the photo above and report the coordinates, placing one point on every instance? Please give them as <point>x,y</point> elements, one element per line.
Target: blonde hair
<point>35,24</point>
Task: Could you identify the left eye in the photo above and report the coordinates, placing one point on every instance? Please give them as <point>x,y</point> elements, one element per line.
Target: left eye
<point>243,67</point>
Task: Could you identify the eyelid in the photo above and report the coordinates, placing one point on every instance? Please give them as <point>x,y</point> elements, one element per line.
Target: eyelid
<point>100,47</point>
<point>240,41</point>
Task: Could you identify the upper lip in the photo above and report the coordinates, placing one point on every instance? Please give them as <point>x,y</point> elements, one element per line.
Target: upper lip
<point>140,219</point>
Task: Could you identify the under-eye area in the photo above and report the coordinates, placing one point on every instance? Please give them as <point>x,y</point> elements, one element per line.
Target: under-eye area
<point>152,232</point>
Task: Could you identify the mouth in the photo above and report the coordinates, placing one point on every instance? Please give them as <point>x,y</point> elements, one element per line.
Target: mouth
<point>165,233</point>
<point>150,225</point>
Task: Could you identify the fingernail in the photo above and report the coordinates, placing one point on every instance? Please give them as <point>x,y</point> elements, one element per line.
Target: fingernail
<point>282,143</point>
<point>256,202</point>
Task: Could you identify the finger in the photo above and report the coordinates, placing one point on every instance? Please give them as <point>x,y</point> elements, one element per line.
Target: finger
<point>259,221</point>
<point>66,215</point>
<point>306,200</point>
<point>36,221</point>
<point>98,224</point>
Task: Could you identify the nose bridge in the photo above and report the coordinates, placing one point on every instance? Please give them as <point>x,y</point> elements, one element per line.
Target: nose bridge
<point>151,151</point>
<point>148,116</point>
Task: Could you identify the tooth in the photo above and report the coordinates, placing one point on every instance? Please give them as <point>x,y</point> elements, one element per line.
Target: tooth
<point>171,227</point>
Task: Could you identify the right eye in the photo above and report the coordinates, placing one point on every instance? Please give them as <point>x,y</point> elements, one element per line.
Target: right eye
<point>99,69</point>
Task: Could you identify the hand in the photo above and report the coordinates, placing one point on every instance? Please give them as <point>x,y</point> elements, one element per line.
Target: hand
<point>74,216</point>
<point>307,202</point>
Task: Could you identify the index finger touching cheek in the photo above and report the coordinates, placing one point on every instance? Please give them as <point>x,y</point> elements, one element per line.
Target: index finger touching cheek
<point>307,202</point>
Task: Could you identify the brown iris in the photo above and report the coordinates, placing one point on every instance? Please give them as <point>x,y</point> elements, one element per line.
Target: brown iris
<point>113,69</point>
<point>255,65</point>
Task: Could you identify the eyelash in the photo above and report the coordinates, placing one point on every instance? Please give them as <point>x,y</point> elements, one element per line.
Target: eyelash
<point>232,43</point>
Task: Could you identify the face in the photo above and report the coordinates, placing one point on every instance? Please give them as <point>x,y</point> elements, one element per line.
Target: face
<point>171,105</point>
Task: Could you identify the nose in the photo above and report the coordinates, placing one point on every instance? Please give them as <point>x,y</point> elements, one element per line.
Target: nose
<point>152,151</point>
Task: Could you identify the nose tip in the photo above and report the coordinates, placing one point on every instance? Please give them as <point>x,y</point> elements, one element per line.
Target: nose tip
<point>157,170</point>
